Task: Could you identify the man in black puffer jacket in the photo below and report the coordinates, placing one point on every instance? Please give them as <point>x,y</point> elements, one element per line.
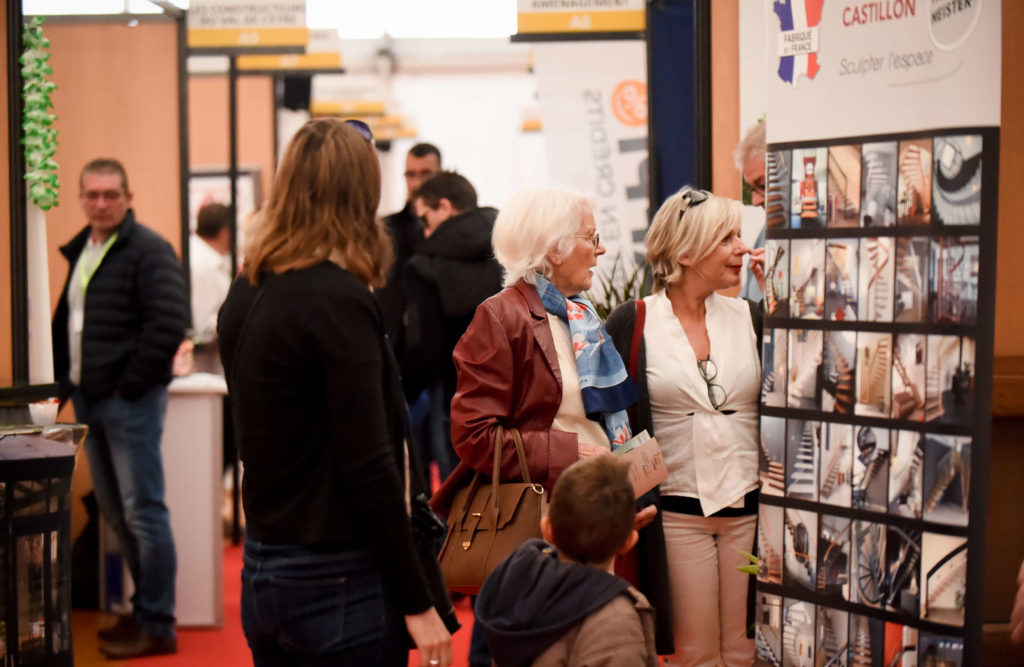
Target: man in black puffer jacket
<point>451,273</point>
<point>118,323</point>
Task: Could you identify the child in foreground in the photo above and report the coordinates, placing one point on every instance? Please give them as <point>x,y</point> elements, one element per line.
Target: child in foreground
<point>561,604</point>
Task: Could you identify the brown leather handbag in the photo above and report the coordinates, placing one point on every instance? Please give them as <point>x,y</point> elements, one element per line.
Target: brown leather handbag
<point>488,522</point>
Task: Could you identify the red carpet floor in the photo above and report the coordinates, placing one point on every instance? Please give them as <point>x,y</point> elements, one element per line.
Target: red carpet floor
<point>226,647</point>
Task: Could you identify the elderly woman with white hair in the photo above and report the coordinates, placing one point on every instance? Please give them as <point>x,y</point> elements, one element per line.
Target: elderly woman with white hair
<point>697,369</point>
<point>534,357</point>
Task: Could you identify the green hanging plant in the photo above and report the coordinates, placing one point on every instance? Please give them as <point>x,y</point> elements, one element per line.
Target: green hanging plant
<point>40,137</point>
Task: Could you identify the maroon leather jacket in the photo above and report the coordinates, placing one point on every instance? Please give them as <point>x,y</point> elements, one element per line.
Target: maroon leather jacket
<point>507,374</point>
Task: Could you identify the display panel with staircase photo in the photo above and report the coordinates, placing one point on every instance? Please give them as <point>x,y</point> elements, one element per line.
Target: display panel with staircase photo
<point>834,545</point>
<point>914,185</point>
<point>953,280</point>
<point>878,192</point>
<point>906,462</point>
<point>836,464</point>
<point>870,468</point>
<point>775,343</point>
<point>947,479</point>
<point>803,448</point>
<point>910,301</point>
<point>908,377</point>
<point>777,189</point>
<point>803,388</point>
<point>877,269</point>
<point>949,380</point>
<point>944,578</point>
<point>776,284</point>
<point>769,543</point>
<point>867,641</point>
<point>956,191</point>
<point>807,279</point>
<point>874,374</point>
<point>841,264</point>
<point>798,634</point>
<point>768,630</point>
<point>843,207</point>
<point>809,192</point>
<point>801,548</point>
<point>838,383</point>
<point>772,456</point>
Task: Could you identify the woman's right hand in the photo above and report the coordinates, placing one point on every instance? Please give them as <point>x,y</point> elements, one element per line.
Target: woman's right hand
<point>586,449</point>
<point>432,639</point>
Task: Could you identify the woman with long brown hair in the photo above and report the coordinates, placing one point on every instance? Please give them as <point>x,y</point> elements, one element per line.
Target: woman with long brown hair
<point>331,574</point>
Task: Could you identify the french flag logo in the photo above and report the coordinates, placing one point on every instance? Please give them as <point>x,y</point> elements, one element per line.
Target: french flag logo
<point>798,38</point>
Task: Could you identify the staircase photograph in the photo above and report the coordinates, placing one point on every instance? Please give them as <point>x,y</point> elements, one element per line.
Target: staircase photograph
<point>871,468</point>
<point>833,577</point>
<point>843,207</point>
<point>768,630</point>
<point>807,279</point>
<point>906,461</point>
<point>836,464</point>
<point>833,633</point>
<point>776,204</point>
<point>878,198</point>
<point>957,180</point>
<point>769,544</point>
<point>947,474</point>
<point>841,264</point>
<point>876,278</point>
<point>798,634</point>
<point>805,356</point>
<point>867,641</point>
<point>801,546</point>
<point>772,460</point>
<point>838,381</point>
<point>949,380</point>
<point>874,374</point>
<point>809,174</point>
<point>773,376</point>
<point>944,571</point>
<point>914,185</point>
<point>908,378</point>
<point>803,445</point>
<point>911,298</point>
<point>953,280</point>
<point>776,283</point>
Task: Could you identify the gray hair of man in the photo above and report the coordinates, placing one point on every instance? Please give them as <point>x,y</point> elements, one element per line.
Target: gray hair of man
<point>752,144</point>
<point>537,221</point>
<point>681,229</point>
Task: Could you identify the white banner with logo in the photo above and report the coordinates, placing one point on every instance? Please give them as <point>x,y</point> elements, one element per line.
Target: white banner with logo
<point>593,98</point>
<point>859,68</point>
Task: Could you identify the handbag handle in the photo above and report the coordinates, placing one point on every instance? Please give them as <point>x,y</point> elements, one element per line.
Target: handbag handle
<point>499,442</point>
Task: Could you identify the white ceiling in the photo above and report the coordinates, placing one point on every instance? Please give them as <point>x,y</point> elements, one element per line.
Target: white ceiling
<point>354,19</point>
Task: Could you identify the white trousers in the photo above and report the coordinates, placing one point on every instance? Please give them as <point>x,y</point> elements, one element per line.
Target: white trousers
<point>709,595</point>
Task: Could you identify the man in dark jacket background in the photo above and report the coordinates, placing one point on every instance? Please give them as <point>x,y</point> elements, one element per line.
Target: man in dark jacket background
<point>120,319</point>
<point>406,230</point>
<point>452,272</point>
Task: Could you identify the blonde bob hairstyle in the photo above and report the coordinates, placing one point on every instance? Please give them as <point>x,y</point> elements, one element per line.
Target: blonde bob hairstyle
<point>323,205</point>
<point>534,222</point>
<point>681,229</point>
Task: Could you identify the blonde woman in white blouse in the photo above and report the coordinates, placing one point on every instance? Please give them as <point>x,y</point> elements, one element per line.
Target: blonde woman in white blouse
<point>699,374</point>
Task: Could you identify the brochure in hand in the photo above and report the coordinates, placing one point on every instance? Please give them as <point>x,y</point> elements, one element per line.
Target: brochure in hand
<point>647,465</point>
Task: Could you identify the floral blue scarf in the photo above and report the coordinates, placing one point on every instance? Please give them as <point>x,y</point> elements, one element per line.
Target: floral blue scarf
<point>606,387</point>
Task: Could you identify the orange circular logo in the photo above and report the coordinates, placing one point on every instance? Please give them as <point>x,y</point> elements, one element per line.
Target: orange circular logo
<point>629,103</point>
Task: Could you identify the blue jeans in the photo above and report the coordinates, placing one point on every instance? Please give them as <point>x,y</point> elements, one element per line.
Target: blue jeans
<point>307,606</point>
<point>123,447</point>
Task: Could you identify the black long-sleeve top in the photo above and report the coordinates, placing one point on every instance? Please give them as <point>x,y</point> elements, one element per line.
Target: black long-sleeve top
<point>317,427</point>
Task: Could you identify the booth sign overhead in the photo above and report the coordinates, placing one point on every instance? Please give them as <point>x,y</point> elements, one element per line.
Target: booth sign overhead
<point>569,16</point>
<point>247,23</point>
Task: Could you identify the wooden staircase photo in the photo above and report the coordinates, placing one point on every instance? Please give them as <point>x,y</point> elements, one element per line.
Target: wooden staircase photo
<point>776,194</point>
<point>876,280</point>
<point>914,195</point>
<point>911,268</point>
